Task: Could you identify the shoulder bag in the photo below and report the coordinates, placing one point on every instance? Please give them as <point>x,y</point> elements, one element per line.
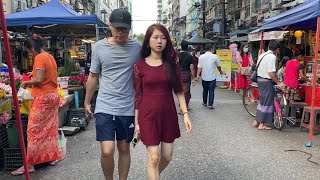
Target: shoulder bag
<point>254,75</point>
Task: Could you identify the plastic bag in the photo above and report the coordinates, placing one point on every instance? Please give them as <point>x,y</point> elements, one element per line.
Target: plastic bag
<point>25,107</point>
<point>60,92</point>
<point>24,95</point>
<point>62,142</point>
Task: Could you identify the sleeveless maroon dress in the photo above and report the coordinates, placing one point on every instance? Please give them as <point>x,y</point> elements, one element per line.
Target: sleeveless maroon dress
<point>157,116</point>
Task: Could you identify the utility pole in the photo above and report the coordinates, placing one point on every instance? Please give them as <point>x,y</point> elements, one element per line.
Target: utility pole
<point>223,29</point>
<point>204,18</point>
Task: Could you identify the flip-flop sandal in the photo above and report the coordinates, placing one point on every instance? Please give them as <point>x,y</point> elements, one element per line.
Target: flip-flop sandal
<point>265,128</point>
<point>53,163</point>
<point>21,172</point>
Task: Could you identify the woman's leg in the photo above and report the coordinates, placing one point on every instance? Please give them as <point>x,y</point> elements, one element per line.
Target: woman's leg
<point>166,155</point>
<point>153,162</point>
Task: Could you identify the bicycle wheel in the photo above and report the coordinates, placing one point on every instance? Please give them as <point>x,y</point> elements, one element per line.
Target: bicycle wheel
<point>279,111</point>
<point>250,100</point>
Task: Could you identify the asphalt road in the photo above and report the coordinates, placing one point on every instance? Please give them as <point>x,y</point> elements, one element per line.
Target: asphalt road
<point>223,145</point>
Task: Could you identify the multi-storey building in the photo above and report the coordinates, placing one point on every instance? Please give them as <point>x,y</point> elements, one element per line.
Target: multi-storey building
<point>163,12</point>
<point>241,16</point>
<point>193,21</point>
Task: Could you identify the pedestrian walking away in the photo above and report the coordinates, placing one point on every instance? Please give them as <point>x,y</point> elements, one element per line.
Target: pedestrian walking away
<point>266,78</point>
<point>156,119</point>
<point>208,63</point>
<point>112,61</point>
<point>42,132</point>
<point>187,72</point>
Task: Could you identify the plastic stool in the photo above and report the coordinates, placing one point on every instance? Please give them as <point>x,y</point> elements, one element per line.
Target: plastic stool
<point>305,119</point>
<point>293,109</point>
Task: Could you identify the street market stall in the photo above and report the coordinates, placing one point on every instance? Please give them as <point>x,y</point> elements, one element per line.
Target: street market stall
<point>303,17</point>
<point>50,19</point>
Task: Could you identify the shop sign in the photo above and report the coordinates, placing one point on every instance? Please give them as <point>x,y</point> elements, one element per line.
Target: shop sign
<point>266,35</point>
<point>225,57</point>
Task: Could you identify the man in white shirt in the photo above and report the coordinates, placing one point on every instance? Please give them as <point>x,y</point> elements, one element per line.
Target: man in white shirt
<point>208,63</point>
<point>266,79</point>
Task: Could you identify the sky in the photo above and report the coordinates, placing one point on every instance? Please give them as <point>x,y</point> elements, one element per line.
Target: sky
<point>144,10</point>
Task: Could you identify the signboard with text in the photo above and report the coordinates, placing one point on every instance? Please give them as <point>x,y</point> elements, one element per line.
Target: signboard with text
<point>225,57</point>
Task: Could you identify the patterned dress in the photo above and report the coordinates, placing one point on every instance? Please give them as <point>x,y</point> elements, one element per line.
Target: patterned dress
<point>42,132</point>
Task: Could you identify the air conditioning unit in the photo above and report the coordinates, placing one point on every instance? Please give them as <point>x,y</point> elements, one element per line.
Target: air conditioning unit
<point>229,17</point>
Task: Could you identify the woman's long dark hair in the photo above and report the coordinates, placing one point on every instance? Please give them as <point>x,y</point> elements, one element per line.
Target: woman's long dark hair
<point>35,42</point>
<point>169,55</point>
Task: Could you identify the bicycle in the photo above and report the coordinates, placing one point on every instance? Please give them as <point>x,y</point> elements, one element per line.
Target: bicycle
<point>251,99</point>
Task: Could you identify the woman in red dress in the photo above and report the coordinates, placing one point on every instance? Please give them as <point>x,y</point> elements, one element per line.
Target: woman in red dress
<point>156,120</point>
<point>245,62</point>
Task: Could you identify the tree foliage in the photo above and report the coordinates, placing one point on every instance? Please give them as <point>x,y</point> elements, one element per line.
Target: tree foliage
<point>139,37</point>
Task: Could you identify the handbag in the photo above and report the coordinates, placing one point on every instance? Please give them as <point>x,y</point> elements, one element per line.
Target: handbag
<point>245,71</point>
<point>254,75</point>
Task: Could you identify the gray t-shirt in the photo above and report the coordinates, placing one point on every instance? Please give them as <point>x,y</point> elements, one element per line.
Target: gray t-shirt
<point>114,64</point>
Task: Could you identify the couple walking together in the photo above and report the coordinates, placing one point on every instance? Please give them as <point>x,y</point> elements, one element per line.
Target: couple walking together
<point>135,96</point>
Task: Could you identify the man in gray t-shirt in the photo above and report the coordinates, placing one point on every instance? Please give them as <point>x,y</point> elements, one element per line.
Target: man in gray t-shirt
<point>112,67</point>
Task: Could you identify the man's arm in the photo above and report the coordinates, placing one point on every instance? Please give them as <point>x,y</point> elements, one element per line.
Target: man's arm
<point>91,87</point>
<point>275,79</point>
<point>198,73</point>
<point>219,68</point>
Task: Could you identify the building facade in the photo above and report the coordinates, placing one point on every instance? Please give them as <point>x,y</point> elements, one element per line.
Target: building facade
<point>241,16</point>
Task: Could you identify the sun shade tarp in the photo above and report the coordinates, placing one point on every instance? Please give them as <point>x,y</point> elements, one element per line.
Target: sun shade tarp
<point>301,17</point>
<point>52,12</point>
<point>198,40</point>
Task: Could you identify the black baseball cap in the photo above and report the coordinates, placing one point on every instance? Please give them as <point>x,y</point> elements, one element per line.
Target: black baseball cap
<point>120,18</point>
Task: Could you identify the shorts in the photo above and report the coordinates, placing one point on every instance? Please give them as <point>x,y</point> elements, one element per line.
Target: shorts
<point>110,127</point>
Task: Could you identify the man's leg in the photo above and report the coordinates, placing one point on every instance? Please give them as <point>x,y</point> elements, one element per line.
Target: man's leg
<point>166,155</point>
<point>212,86</point>
<point>153,162</point>
<point>107,160</point>
<point>124,133</point>
<point>205,92</point>
<point>105,129</point>
<point>124,159</point>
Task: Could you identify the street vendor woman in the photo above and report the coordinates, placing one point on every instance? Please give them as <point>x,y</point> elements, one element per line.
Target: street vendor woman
<point>42,132</point>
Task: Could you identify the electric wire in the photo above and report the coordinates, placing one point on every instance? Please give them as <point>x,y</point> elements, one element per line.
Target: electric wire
<point>308,159</point>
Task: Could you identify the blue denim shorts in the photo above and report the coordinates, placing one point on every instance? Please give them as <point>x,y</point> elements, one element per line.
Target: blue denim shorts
<point>110,127</point>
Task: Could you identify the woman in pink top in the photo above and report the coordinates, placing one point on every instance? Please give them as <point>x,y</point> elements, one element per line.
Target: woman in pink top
<point>292,71</point>
<point>245,62</point>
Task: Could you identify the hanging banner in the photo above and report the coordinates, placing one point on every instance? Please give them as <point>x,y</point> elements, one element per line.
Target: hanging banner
<point>225,57</point>
<point>234,48</point>
<point>266,35</point>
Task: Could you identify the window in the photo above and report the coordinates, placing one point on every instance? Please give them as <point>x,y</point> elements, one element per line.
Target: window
<point>247,8</point>
<point>239,3</point>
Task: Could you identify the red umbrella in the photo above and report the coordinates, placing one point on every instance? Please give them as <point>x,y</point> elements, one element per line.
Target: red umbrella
<point>13,85</point>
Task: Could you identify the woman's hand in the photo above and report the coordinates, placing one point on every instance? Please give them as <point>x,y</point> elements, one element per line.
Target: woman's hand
<point>24,85</point>
<point>137,131</point>
<point>187,123</point>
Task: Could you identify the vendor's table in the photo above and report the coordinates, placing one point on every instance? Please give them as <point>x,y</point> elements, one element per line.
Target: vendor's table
<point>308,93</point>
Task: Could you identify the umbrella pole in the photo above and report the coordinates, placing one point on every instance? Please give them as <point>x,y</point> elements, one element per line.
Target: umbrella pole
<point>261,43</point>
<point>13,86</point>
<point>314,84</point>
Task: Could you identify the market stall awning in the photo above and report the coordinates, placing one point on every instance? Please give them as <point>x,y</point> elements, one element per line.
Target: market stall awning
<point>198,40</point>
<point>52,12</point>
<point>301,17</point>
